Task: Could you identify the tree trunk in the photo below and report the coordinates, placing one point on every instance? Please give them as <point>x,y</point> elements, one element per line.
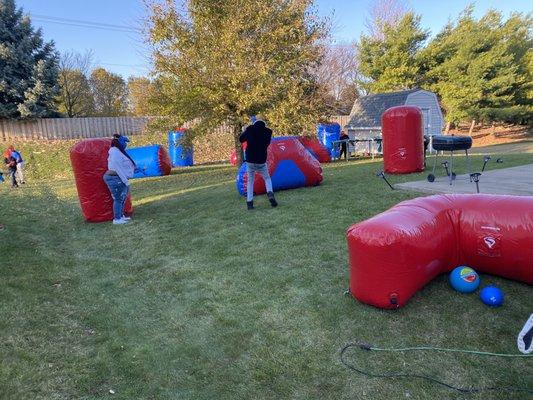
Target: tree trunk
<point>471,127</point>
<point>447,129</point>
<point>237,130</point>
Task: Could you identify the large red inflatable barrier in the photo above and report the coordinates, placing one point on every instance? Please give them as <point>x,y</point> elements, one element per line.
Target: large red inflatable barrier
<point>89,163</point>
<point>394,254</point>
<point>290,166</point>
<point>403,140</point>
<point>317,149</point>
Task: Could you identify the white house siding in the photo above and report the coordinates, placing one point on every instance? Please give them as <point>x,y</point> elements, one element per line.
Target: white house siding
<point>427,100</point>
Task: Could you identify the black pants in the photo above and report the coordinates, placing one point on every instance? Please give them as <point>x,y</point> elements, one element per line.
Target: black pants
<point>343,150</point>
<point>13,176</point>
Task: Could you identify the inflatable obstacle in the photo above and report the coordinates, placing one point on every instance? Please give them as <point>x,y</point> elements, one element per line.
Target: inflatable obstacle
<point>290,166</point>
<point>150,160</point>
<point>89,164</point>
<point>180,156</point>
<point>395,253</point>
<point>403,140</point>
<point>327,134</point>
<point>317,149</point>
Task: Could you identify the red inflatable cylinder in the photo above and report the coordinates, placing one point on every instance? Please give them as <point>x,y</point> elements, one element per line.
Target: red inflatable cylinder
<point>403,140</point>
<point>89,163</point>
<point>395,253</point>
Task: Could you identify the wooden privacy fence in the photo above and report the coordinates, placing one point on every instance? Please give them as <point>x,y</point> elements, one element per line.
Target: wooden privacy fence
<point>71,128</point>
<point>76,128</point>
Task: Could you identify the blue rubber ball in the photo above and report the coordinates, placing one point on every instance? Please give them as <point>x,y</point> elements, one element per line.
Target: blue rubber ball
<point>491,296</point>
<point>464,279</point>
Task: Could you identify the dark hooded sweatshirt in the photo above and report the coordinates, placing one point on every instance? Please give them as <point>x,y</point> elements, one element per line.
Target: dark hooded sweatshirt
<point>258,138</point>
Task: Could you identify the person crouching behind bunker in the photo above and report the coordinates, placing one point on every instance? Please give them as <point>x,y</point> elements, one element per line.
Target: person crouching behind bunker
<point>257,136</point>
<point>120,168</point>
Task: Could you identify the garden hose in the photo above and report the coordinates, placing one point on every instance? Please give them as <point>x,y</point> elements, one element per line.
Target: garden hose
<point>369,347</point>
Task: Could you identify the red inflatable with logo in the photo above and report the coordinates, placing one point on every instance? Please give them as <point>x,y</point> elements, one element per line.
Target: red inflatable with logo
<point>403,140</point>
<point>394,254</point>
<point>89,163</point>
<point>290,166</point>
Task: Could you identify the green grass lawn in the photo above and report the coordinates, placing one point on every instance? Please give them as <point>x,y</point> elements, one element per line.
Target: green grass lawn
<point>200,299</point>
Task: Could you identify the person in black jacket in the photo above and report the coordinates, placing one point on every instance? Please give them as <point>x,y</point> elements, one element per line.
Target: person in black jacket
<point>343,136</point>
<point>257,136</point>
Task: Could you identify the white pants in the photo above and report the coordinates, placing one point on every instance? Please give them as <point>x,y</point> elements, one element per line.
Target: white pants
<point>20,172</point>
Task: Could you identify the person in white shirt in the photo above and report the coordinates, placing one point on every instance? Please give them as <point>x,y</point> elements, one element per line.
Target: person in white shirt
<point>120,168</point>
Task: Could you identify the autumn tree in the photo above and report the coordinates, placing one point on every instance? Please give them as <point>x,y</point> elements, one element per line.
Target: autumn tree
<point>110,93</point>
<point>142,93</point>
<point>223,61</point>
<point>75,97</point>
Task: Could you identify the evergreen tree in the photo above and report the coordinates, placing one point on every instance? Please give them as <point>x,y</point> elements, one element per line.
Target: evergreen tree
<point>482,69</point>
<point>223,61</point>
<point>28,67</point>
<point>391,61</point>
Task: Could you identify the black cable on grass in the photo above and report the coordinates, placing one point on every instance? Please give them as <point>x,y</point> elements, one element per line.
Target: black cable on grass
<point>368,347</point>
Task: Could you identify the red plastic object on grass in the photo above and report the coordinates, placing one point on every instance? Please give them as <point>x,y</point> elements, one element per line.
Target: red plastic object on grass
<point>395,253</point>
<point>403,140</point>
<point>89,163</point>
<point>317,149</point>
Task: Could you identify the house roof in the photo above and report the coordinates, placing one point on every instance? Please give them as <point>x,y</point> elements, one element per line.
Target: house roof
<point>367,110</point>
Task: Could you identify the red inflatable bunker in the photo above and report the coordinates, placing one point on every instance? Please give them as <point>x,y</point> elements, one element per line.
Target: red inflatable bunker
<point>403,140</point>
<point>316,148</point>
<point>290,166</point>
<point>395,253</point>
<point>89,163</point>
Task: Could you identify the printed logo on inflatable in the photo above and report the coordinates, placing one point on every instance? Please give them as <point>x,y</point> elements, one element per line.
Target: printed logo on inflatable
<point>489,245</point>
<point>489,241</point>
<point>468,274</point>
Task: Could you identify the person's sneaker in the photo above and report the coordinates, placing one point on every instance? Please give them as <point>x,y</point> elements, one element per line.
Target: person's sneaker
<point>119,221</point>
<point>250,205</point>
<point>126,218</point>
<point>272,199</point>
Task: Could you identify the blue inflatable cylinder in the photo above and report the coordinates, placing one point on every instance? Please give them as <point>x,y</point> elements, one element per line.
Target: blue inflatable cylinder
<point>150,160</point>
<point>180,156</point>
<point>327,134</point>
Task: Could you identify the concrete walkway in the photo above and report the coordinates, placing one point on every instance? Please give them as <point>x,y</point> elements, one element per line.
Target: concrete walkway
<point>515,181</point>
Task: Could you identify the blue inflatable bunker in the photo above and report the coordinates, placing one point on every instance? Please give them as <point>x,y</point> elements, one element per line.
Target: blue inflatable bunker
<point>327,134</point>
<point>151,160</point>
<point>180,156</point>
<point>290,166</point>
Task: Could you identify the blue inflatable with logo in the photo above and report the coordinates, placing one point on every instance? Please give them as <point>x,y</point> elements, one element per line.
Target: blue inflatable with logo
<point>327,134</point>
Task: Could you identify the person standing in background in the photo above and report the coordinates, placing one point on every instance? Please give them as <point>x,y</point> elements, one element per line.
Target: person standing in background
<point>344,145</point>
<point>11,165</point>
<point>19,175</point>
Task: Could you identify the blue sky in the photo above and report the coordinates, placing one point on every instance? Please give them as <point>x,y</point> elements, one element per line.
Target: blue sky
<point>125,53</point>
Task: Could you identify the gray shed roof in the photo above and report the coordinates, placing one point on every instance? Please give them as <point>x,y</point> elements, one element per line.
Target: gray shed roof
<point>367,110</point>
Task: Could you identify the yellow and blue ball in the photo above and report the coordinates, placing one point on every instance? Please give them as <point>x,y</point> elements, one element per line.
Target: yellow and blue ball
<point>464,279</point>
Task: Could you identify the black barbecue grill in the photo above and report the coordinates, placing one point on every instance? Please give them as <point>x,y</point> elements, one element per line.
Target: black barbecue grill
<point>451,144</point>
